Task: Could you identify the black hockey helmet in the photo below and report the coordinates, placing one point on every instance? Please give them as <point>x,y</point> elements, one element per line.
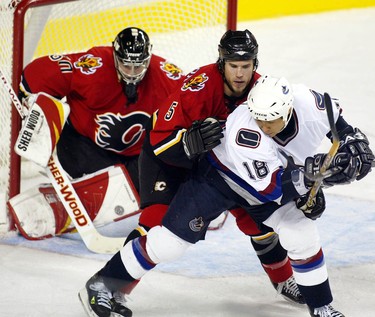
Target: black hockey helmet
<point>132,53</point>
<point>237,46</point>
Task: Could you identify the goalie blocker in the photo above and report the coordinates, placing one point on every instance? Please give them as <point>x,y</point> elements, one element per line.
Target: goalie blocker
<point>42,127</point>
<point>108,195</point>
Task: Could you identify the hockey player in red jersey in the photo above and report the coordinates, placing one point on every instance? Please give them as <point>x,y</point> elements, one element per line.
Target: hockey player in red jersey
<point>112,92</point>
<point>210,91</point>
<point>213,90</point>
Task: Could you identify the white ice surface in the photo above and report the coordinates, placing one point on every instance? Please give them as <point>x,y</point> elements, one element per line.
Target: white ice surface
<point>333,52</point>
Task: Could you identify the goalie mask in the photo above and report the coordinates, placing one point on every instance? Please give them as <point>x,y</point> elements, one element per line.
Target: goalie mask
<point>132,54</point>
<point>237,46</point>
<point>270,99</point>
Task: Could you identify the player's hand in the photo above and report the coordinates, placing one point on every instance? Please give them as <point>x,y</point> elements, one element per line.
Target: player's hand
<point>357,145</point>
<point>202,137</point>
<point>318,207</point>
<point>342,170</point>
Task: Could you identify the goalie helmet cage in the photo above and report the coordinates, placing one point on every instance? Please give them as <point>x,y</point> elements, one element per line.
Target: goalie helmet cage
<point>185,32</point>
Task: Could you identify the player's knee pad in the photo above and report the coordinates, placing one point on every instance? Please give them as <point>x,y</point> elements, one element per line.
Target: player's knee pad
<point>162,245</point>
<point>302,243</point>
<point>268,248</point>
<point>297,233</point>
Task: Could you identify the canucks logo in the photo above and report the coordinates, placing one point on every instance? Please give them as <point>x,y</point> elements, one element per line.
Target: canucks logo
<point>88,63</point>
<point>118,132</point>
<point>171,70</point>
<point>195,83</point>
<point>196,224</point>
<point>285,89</point>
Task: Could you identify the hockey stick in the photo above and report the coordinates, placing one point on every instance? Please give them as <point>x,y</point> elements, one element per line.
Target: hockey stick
<point>93,240</point>
<point>329,156</point>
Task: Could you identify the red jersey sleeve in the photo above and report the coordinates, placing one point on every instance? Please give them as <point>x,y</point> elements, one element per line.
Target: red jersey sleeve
<point>49,74</point>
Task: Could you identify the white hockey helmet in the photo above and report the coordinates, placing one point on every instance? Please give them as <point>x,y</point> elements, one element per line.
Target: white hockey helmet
<point>271,98</point>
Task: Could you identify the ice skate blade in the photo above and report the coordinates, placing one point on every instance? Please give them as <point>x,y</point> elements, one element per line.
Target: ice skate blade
<point>84,299</point>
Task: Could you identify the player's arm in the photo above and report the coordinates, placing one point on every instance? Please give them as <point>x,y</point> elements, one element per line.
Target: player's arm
<point>355,143</point>
<point>182,131</point>
<point>352,142</point>
<point>49,74</point>
<point>183,147</point>
<point>166,143</point>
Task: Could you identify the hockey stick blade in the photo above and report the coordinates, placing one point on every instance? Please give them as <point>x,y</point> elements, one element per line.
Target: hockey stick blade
<point>93,240</point>
<point>331,153</point>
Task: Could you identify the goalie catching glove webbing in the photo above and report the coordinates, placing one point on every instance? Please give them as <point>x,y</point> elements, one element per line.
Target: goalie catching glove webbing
<point>202,137</point>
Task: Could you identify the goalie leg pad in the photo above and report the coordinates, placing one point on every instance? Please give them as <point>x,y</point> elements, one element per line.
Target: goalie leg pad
<point>42,128</point>
<point>108,195</point>
<point>39,214</point>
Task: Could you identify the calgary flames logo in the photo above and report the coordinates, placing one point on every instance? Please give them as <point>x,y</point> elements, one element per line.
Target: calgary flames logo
<point>195,83</point>
<point>118,132</point>
<point>171,70</point>
<point>88,63</point>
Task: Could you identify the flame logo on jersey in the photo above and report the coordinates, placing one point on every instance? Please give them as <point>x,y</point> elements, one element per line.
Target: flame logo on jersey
<point>118,132</point>
<point>172,71</point>
<point>195,83</point>
<point>88,64</point>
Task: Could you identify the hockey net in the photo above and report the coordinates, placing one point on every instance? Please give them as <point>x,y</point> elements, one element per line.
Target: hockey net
<point>186,32</point>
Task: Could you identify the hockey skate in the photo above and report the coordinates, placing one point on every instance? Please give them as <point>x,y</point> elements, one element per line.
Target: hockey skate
<point>97,300</point>
<point>325,311</point>
<point>289,290</point>
<point>119,308</point>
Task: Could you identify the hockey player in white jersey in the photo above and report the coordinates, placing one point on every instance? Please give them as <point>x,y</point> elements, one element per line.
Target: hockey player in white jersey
<point>248,170</point>
<point>280,118</point>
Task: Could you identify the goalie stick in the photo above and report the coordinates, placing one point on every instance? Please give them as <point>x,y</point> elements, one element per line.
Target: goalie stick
<point>329,156</point>
<point>93,240</point>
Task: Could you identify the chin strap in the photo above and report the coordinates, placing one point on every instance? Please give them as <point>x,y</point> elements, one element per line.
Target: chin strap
<point>130,91</point>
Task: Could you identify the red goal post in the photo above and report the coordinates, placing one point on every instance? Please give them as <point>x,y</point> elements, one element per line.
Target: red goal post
<point>186,32</point>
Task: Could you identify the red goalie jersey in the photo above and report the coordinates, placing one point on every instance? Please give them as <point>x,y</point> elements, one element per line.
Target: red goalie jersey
<point>99,107</point>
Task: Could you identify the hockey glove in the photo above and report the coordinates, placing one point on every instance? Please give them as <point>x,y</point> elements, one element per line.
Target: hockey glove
<point>357,145</point>
<point>202,137</point>
<point>318,207</point>
<point>342,170</point>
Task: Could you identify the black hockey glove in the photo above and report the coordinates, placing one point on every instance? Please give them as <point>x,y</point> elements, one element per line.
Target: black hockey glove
<point>202,137</point>
<point>357,145</point>
<point>318,207</point>
<point>342,170</point>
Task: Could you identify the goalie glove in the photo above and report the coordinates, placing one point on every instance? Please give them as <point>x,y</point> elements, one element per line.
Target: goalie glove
<point>317,208</point>
<point>202,137</point>
<point>357,145</point>
<point>342,170</point>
